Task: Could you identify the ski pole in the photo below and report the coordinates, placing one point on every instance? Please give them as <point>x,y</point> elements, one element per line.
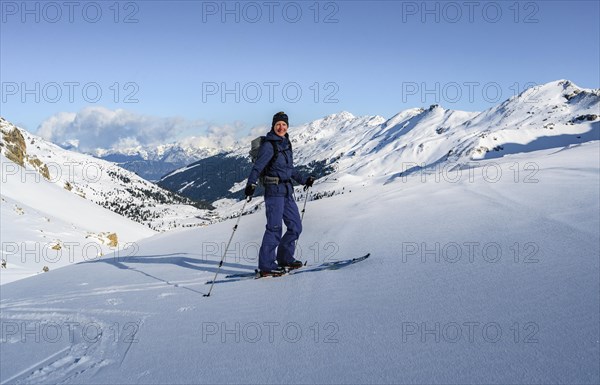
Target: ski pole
<point>304,207</point>
<point>226,248</point>
<point>302,217</point>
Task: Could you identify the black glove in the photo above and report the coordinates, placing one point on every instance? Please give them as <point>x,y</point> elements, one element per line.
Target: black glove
<point>249,191</point>
<point>309,182</point>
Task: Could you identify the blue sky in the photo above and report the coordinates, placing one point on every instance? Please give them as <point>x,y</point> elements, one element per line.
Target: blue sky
<point>178,59</point>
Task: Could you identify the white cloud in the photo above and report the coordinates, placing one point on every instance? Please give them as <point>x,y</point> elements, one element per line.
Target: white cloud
<point>98,127</point>
<point>259,130</point>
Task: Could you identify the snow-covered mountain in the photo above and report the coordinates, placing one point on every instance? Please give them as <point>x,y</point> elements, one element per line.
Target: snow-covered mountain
<point>46,226</point>
<point>151,163</point>
<point>99,181</point>
<point>469,281</point>
<point>342,147</point>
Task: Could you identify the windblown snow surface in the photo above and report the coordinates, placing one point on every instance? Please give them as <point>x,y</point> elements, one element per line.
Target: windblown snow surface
<point>486,274</point>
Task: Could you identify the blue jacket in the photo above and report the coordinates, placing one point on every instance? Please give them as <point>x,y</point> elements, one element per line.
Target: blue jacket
<point>282,167</point>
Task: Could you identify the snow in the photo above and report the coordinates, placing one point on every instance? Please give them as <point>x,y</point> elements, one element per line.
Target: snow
<point>520,305</point>
<point>45,225</point>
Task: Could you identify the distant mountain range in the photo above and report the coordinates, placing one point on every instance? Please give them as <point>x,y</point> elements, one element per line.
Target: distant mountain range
<point>342,147</point>
<point>100,181</point>
<point>151,163</point>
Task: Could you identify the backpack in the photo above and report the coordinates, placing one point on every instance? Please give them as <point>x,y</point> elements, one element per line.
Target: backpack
<point>255,147</point>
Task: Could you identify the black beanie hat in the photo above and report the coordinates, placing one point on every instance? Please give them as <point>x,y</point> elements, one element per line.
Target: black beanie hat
<point>279,117</point>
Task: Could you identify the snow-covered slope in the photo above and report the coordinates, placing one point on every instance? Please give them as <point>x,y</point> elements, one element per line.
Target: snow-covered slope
<point>548,116</point>
<point>99,181</point>
<point>552,115</point>
<point>44,225</point>
<point>475,279</point>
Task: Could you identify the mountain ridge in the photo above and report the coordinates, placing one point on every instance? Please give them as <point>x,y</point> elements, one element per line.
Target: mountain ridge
<point>99,181</point>
<point>557,113</point>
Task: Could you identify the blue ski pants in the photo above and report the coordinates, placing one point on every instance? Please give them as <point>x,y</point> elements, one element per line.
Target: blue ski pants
<point>274,247</point>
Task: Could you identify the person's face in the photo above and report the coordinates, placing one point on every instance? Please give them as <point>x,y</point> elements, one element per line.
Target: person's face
<point>280,128</point>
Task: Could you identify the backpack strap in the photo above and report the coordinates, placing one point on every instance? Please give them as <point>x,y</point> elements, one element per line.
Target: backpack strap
<point>275,153</point>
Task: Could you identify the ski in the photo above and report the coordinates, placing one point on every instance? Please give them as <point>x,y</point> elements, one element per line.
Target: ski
<point>242,275</point>
<point>334,265</point>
